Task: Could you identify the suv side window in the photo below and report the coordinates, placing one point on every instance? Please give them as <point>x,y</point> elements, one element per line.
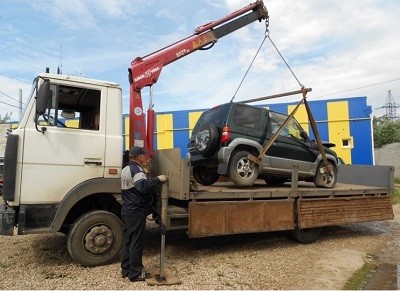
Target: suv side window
<point>246,116</point>
<point>292,129</point>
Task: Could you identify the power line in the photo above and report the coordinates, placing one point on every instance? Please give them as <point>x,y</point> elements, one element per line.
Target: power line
<point>19,107</point>
<point>361,87</point>
<point>14,79</point>
<point>10,97</point>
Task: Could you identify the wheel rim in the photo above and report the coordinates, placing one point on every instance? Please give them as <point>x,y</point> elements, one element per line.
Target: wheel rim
<point>202,139</point>
<point>328,178</point>
<point>244,169</point>
<point>98,239</point>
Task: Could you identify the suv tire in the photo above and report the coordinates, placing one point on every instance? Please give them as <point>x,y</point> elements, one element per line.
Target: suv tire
<point>242,171</point>
<point>207,139</point>
<point>325,180</point>
<point>204,175</point>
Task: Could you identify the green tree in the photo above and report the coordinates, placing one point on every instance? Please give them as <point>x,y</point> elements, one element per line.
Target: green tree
<point>386,131</point>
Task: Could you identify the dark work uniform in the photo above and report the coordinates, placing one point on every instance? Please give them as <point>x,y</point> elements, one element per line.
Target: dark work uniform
<point>136,199</point>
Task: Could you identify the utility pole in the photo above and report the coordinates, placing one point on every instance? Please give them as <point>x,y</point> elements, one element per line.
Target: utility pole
<point>20,104</point>
<point>391,106</point>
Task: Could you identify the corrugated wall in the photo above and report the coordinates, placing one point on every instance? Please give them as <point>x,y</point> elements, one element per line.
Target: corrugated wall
<point>345,122</point>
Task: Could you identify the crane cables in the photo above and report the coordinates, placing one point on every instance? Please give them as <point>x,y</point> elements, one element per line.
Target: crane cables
<point>267,35</point>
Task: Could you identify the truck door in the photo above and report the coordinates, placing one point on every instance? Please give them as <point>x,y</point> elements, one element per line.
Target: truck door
<point>70,148</point>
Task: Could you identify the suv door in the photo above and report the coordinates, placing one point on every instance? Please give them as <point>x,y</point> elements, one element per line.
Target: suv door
<point>289,147</point>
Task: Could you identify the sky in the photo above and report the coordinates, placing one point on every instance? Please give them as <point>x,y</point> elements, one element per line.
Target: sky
<point>340,49</point>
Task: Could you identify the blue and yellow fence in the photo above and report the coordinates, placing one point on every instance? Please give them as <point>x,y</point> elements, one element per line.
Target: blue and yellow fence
<point>345,122</point>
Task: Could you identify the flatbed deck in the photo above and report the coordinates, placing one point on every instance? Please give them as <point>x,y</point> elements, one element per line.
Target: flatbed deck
<point>260,190</point>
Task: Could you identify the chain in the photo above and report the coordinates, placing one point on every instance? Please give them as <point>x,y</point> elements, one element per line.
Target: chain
<point>267,27</point>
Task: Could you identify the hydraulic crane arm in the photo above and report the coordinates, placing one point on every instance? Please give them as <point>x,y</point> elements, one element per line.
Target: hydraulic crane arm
<point>145,71</point>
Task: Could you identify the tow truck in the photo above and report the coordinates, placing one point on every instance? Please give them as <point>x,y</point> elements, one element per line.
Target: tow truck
<point>65,176</point>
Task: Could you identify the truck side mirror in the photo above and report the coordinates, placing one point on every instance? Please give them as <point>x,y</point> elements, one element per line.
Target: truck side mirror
<point>42,97</point>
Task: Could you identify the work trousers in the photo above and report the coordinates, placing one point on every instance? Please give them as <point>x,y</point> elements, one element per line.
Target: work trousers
<point>132,250</point>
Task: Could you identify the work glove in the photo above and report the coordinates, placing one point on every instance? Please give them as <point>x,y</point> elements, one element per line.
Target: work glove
<point>162,178</point>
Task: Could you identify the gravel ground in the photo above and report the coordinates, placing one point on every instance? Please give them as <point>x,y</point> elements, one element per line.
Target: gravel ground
<point>249,261</point>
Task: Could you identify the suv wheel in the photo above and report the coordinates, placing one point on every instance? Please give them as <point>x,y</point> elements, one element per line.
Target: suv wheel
<point>207,139</point>
<point>325,180</point>
<point>204,175</point>
<point>242,171</point>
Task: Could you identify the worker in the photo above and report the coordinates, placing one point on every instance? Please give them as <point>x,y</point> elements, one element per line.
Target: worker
<point>136,198</point>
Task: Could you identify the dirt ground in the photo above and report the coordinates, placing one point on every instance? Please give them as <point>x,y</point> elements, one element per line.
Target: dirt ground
<point>249,261</point>
<point>387,257</point>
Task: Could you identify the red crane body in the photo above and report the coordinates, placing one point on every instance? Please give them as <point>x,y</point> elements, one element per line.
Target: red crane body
<point>145,71</point>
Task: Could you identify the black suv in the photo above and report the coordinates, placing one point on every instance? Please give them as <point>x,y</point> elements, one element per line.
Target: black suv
<point>225,135</point>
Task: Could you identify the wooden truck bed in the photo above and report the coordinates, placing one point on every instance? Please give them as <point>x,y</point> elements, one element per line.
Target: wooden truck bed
<point>260,190</point>
<point>224,208</point>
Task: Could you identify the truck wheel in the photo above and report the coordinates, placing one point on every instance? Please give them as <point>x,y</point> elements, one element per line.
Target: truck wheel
<point>325,180</point>
<point>204,175</point>
<point>242,171</point>
<point>207,139</point>
<point>95,238</point>
<point>306,235</point>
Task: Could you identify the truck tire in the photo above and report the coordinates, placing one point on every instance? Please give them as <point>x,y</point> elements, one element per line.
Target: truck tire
<point>306,235</point>
<point>95,238</point>
<point>325,180</point>
<point>207,140</point>
<point>204,175</point>
<point>242,172</point>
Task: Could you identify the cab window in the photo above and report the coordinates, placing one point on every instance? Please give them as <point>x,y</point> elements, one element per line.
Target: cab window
<point>73,107</point>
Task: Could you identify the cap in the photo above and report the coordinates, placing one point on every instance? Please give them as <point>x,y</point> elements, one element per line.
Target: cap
<point>135,151</point>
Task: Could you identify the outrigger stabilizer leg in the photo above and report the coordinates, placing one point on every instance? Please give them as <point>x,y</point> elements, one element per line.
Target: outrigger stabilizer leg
<point>164,277</point>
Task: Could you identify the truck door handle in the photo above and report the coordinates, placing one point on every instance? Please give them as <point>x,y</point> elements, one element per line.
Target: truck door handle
<point>93,163</point>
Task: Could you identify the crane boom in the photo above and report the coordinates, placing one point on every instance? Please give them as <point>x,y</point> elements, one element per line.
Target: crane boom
<point>145,71</point>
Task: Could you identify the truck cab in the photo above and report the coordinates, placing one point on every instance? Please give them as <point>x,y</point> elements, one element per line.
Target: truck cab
<point>65,157</point>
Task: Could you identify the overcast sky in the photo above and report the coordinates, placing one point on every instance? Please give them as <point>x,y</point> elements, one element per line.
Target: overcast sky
<point>337,48</point>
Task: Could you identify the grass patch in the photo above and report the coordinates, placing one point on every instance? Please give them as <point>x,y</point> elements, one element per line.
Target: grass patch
<point>395,196</point>
<point>354,283</point>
